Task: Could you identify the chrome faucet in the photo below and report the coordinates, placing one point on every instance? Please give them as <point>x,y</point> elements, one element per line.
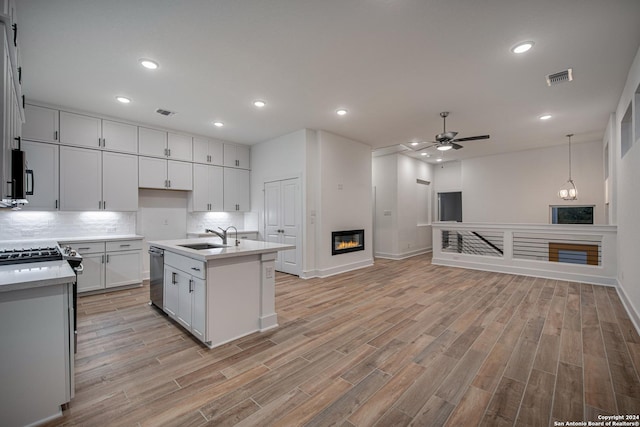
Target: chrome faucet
<point>223,235</point>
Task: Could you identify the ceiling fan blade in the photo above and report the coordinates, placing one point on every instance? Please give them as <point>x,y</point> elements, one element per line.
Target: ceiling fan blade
<point>472,138</point>
<point>433,144</point>
<point>456,146</point>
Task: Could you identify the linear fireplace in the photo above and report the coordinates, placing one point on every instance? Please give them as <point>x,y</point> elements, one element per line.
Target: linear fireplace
<point>347,241</point>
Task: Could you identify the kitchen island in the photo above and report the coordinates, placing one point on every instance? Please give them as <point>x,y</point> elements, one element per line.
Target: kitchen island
<point>220,292</point>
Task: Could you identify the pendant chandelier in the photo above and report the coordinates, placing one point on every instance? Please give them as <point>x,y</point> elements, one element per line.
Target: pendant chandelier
<point>569,191</point>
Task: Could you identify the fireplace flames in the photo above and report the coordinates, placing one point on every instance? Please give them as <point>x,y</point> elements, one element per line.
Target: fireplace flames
<point>347,245</point>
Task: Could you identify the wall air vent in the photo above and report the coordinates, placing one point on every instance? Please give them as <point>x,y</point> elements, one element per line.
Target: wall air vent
<point>560,77</point>
<point>164,112</point>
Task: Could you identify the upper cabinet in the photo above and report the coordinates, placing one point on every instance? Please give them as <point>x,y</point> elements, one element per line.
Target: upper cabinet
<point>41,124</point>
<point>207,151</point>
<point>157,143</point>
<point>42,166</point>
<point>236,156</point>
<point>92,132</point>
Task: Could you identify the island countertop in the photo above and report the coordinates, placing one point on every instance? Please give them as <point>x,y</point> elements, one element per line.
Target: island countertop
<point>246,247</point>
<point>34,275</point>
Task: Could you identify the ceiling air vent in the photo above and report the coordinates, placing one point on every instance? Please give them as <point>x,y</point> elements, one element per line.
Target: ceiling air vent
<point>165,112</point>
<point>562,76</point>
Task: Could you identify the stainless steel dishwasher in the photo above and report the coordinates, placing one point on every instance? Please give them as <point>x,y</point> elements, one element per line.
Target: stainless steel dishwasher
<point>156,276</point>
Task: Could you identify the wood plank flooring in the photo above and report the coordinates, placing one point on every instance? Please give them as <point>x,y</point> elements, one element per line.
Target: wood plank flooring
<point>400,343</point>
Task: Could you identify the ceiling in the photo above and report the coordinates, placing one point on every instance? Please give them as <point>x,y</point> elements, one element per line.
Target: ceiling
<point>394,64</point>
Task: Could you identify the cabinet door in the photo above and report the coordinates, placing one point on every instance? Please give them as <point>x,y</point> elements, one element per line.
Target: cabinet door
<point>77,129</point>
<point>229,154</point>
<point>236,190</point>
<point>216,188</point>
<point>122,268</point>
<point>201,150</point>
<point>170,296</point>
<point>152,142</point>
<point>242,155</point>
<point>243,190</point>
<point>152,172</point>
<point>185,289</point>
<point>180,147</point>
<point>41,124</point>
<point>119,136</point>
<point>92,277</point>
<point>216,153</point>
<point>42,159</point>
<point>119,182</point>
<point>236,156</point>
<point>80,179</point>
<point>180,175</point>
<point>200,194</point>
<point>198,308</point>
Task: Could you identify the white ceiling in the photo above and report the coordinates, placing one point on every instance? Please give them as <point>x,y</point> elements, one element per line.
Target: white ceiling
<point>394,64</point>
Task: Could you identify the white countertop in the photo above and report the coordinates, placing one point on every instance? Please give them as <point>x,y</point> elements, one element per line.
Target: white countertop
<point>113,237</point>
<point>36,274</point>
<point>246,247</point>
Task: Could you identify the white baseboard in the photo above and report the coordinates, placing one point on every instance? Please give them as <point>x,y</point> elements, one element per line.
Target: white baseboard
<point>326,272</point>
<point>268,322</point>
<point>633,313</point>
<point>403,255</point>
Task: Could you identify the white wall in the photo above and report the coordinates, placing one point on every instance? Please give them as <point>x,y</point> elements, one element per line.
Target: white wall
<point>345,200</point>
<point>399,232</point>
<point>627,195</point>
<point>519,187</point>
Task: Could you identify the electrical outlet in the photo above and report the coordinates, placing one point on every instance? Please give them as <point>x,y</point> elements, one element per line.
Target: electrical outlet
<point>268,272</point>
<point>165,222</point>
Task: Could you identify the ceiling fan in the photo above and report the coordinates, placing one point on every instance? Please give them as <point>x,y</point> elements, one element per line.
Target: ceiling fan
<point>447,140</point>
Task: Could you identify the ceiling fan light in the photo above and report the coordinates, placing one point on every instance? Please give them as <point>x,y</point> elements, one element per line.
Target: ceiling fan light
<point>444,147</point>
<point>522,47</point>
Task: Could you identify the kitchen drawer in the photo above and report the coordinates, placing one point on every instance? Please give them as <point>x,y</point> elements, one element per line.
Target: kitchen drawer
<point>86,247</point>
<point>124,245</point>
<point>188,265</point>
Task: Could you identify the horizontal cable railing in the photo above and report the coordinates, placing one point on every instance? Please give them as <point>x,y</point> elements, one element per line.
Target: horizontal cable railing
<point>577,252</point>
<point>472,242</point>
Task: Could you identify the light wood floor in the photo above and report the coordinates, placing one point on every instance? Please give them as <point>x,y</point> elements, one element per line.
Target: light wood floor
<point>400,343</point>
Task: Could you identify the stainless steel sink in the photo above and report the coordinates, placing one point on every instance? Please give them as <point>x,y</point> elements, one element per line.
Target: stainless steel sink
<point>203,246</point>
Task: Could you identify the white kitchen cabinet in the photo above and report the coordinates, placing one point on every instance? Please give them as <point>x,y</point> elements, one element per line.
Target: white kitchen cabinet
<point>185,292</point>
<point>93,132</point>
<point>119,182</point>
<point>236,156</point>
<point>42,159</point>
<point>81,130</point>
<point>236,190</point>
<point>152,142</point>
<point>120,137</point>
<point>208,188</point>
<point>108,264</point>
<point>80,179</point>
<point>157,143</point>
<point>165,174</point>
<point>84,185</point>
<point>122,268</point>
<point>41,124</point>
<point>92,277</point>
<point>180,147</point>
<point>208,151</point>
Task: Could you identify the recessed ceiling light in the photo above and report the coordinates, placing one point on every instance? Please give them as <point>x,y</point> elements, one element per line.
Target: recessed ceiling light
<point>439,159</point>
<point>123,99</point>
<point>423,154</point>
<point>414,143</point>
<point>218,124</point>
<point>259,103</point>
<point>522,47</point>
<point>341,111</point>
<point>148,63</point>
<point>444,147</point>
<point>545,117</point>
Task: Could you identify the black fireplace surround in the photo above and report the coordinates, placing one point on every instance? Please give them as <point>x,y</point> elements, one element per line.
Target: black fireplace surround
<point>347,241</point>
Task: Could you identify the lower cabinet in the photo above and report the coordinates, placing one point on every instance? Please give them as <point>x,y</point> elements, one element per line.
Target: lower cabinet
<point>185,293</point>
<point>109,264</point>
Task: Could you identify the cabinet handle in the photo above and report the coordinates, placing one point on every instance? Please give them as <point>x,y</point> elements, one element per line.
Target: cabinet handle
<point>20,75</point>
<point>82,249</point>
<point>169,181</point>
<point>190,285</point>
<point>104,142</point>
<point>55,135</point>
<point>195,269</point>
<point>173,278</point>
<point>124,246</point>
<point>107,258</point>
<point>104,205</point>
<point>99,204</point>
<point>23,102</point>
<point>102,257</point>
<point>15,34</point>
<point>169,151</point>
<point>56,203</point>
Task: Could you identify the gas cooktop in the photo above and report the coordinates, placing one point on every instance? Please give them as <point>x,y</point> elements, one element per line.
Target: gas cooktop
<point>30,254</point>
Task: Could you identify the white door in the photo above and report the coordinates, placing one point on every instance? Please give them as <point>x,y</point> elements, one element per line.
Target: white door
<point>120,136</point>
<point>282,222</point>
<point>80,179</point>
<point>122,268</point>
<point>42,159</point>
<point>119,182</point>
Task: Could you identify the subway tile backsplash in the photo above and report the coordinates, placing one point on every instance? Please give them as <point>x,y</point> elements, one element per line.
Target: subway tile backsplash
<point>16,225</point>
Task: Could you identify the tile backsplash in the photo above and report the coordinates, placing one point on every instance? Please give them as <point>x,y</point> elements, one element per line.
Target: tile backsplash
<point>17,225</point>
<point>199,221</point>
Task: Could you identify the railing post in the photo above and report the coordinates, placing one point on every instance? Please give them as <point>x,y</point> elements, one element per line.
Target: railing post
<point>508,245</point>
